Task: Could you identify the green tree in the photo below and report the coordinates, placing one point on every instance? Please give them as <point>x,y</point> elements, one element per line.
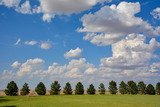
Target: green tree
<point>150,89</point>
<point>11,89</point>
<point>102,89</point>
<point>112,87</point>
<point>55,88</point>
<point>25,89</point>
<point>40,89</point>
<point>158,88</point>
<point>141,87</point>
<point>123,87</point>
<point>91,90</point>
<point>79,89</point>
<point>67,89</point>
<point>132,87</point>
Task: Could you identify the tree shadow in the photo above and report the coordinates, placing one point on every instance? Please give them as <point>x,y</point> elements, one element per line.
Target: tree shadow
<point>2,100</point>
<point>9,106</point>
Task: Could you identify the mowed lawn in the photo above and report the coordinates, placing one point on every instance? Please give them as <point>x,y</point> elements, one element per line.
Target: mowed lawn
<point>82,101</point>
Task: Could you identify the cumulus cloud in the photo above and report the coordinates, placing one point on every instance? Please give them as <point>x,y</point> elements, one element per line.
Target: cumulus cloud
<point>73,53</point>
<point>31,65</point>
<point>42,44</point>
<point>46,44</point>
<point>50,8</point>
<point>16,64</point>
<point>10,3</point>
<point>24,8</point>
<point>156,13</point>
<point>78,68</point>
<point>131,52</point>
<point>112,23</point>
<point>131,58</point>
<point>155,67</point>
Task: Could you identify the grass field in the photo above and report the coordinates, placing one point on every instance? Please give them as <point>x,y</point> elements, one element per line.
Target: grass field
<point>82,101</point>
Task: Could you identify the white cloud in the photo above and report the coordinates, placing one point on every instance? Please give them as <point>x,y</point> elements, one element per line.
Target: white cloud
<point>16,64</point>
<point>10,3</point>
<point>42,44</point>
<point>6,75</point>
<point>131,58</point>
<point>31,65</point>
<point>18,41</point>
<point>46,45</point>
<point>156,13</point>
<point>25,8</point>
<point>112,23</point>
<point>102,39</point>
<point>131,52</point>
<point>50,8</point>
<point>73,53</point>
<point>155,67</point>
<point>78,68</point>
<point>31,42</point>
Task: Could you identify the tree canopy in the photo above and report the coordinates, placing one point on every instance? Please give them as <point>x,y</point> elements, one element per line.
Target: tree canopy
<point>40,89</point>
<point>112,87</point>
<point>25,89</point>
<point>11,89</point>
<point>55,88</point>
<point>79,89</point>
<point>67,89</point>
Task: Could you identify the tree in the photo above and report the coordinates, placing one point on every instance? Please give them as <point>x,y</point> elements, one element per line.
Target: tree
<point>123,87</point>
<point>132,87</point>
<point>67,89</point>
<point>25,89</point>
<point>150,89</point>
<point>141,87</point>
<point>158,88</point>
<point>55,88</point>
<point>40,89</point>
<point>112,87</point>
<point>11,89</point>
<point>102,89</point>
<point>79,89</point>
<point>91,90</point>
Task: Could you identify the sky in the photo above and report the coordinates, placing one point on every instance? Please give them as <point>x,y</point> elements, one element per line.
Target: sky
<point>91,41</point>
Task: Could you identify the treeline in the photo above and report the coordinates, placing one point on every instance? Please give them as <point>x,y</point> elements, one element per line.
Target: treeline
<point>130,87</point>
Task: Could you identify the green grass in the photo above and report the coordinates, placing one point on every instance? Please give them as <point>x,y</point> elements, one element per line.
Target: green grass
<point>82,101</point>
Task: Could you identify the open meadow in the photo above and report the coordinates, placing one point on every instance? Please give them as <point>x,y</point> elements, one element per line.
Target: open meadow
<point>81,101</point>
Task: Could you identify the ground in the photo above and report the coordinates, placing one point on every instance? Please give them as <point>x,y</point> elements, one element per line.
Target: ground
<point>81,101</point>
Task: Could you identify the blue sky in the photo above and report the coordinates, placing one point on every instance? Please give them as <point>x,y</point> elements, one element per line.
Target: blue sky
<point>34,36</point>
